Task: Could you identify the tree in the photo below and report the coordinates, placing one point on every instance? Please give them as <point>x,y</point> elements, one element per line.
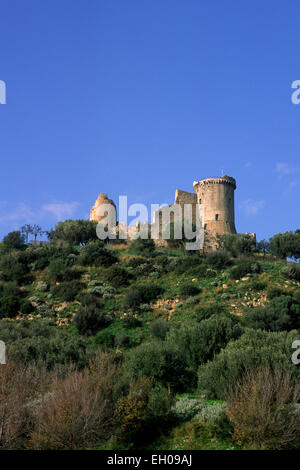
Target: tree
<point>13,240</point>
<point>36,230</point>
<point>75,232</point>
<point>237,243</point>
<point>263,246</point>
<point>286,245</point>
<point>26,230</point>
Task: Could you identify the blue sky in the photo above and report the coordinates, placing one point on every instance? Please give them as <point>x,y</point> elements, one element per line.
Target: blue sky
<point>140,97</point>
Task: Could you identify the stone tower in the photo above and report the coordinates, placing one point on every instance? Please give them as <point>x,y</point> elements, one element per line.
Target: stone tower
<point>217,195</point>
<point>101,199</point>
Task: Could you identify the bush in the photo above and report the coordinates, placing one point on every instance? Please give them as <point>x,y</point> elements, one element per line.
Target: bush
<point>244,267</point>
<point>67,291</point>
<point>163,361</point>
<point>159,329</point>
<point>291,271</point>
<point>252,350</point>
<point>78,411</point>
<point>19,384</point>
<point>14,241</point>
<point>258,285</point>
<point>212,308</point>
<point>42,343</point>
<point>131,322</point>
<point>282,313</point>
<point>237,244</point>
<point>117,276</point>
<point>75,232</point>
<point>56,269</point>
<point>122,340</point>
<point>286,244</point>
<point>210,413</point>
<point>12,270</point>
<point>200,342</point>
<point>144,247</point>
<point>105,338</point>
<point>218,259</point>
<point>26,307</point>
<point>141,295</point>
<point>143,409</point>
<point>188,290</point>
<point>189,264</point>
<point>89,319</point>
<point>262,409</point>
<point>93,254</point>
<point>185,408</point>
<point>10,300</point>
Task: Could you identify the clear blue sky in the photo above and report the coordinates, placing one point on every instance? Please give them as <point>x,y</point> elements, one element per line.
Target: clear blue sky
<point>140,97</point>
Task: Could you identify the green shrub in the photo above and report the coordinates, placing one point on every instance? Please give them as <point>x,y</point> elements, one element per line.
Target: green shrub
<point>252,350</point>
<point>117,276</point>
<point>67,291</point>
<point>141,295</point>
<point>291,271</point>
<point>210,413</point>
<point>56,269</point>
<point>89,319</point>
<point>41,342</point>
<point>218,259</point>
<point>10,300</point>
<point>142,246</point>
<point>105,338</point>
<point>87,299</point>
<point>199,342</point>
<point>94,254</point>
<point>131,322</point>
<point>26,307</point>
<point>162,361</point>
<point>282,313</point>
<point>14,241</point>
<point>192,301</point>
<point>185,408</point>
<point>11,269</point>
<point>274,291</point>
<point>237,244</point>
<point>122,340</point>
<point>188,290</point>
<point>258,285</point>
<point>189,264</point>
<point>159,329</point>
<point>207,310</point>
<point>244,267</point>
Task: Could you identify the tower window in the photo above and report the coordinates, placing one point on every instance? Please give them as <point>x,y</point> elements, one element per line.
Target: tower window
<point>217,216</point>
<point>200,201</point>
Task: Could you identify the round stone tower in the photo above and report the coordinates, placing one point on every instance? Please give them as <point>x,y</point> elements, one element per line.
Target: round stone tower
<point>217,196</point>
<point>101,199</point>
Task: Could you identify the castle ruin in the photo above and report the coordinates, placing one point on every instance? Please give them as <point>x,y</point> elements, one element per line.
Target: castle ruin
<point>215,194</point>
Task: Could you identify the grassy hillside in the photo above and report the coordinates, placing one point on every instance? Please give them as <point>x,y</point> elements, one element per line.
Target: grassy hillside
<point>163,343</point>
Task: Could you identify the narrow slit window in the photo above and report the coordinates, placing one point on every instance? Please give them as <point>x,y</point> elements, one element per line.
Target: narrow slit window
<point>217,216</point>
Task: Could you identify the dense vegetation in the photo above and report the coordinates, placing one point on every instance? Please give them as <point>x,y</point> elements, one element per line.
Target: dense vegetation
<point>108,341</point>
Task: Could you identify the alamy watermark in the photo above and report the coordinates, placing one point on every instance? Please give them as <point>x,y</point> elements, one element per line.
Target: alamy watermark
<point>178,222</point>
<point>296,94</point>
<point>2,352</point>
<point>2,92</point>
<point>296,354</point>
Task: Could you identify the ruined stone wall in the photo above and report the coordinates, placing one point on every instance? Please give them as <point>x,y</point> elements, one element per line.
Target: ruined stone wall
<point>217,196</point>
